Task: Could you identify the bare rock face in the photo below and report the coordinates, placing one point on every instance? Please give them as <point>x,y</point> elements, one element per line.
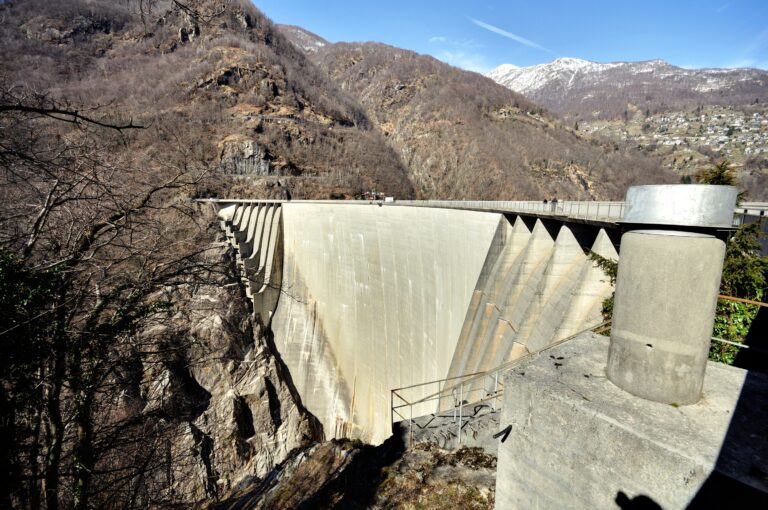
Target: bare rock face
<point>231,412</point>
<point>243,156</point>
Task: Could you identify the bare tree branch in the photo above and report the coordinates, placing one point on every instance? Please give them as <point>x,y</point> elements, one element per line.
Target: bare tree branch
<point>70,116</point>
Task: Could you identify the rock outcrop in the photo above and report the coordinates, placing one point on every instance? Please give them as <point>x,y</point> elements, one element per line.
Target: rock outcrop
<point>348,474</point>
<point>243,156</point>
<point>232,411</point>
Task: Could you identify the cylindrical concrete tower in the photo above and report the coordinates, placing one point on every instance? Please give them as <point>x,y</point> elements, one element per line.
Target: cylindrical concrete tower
<point>666,294</point>
<point>666,291</point>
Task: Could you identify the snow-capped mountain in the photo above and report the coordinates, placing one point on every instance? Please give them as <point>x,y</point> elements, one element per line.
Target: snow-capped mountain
<point>575,87</point>
<point>526,80</point>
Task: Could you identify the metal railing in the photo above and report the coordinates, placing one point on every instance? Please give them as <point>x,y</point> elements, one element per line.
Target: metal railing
<point>750,209</point>
<point>603,211</point>
<point>491,389</point>
<point>460,392</point>
<point>595,211</point>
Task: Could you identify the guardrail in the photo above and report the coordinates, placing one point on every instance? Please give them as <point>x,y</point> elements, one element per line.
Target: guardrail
<point>595,211</point>
<point>489,385</point>
<point>460,393</point>
<point>602,211</point>
<point>750,209</point>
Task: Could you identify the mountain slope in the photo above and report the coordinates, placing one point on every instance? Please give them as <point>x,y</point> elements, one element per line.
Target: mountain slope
<point>220,76</point>
<point>579,88</point>
<point>303,39</point>
<point>462,136</point>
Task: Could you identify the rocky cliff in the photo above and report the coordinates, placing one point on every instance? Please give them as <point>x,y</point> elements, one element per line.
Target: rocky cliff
<point>216,81</point>
<point>344,474</point>
<point>215,389</point>
<point>231,406</point>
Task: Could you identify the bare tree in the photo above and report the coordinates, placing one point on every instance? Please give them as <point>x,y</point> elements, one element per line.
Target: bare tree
<point>95,248</point>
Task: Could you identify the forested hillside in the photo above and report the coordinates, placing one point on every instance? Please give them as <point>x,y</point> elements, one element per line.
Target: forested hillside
<point>460,135</point>
<point>217,78</point>
<point>133,373</point>
<point>690,119</point>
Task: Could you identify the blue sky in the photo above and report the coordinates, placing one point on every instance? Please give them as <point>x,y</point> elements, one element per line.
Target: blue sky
<point>483,34</point>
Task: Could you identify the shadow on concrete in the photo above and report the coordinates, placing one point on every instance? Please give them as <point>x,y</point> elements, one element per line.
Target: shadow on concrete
<point>756,356</point>
<point>637,503</point>
<point>584,231</point>
<point>317,431</point>
<point>740,476</point>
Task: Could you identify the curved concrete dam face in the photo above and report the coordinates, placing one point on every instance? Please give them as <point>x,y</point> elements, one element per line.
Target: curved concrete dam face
<point>375,298</point>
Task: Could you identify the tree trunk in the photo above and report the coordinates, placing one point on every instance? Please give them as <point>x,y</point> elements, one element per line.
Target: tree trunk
<point>83,453</point>
<point>33,487</point>
<point>53,407</point>
<point>56,427</point>
<point>8,431</point>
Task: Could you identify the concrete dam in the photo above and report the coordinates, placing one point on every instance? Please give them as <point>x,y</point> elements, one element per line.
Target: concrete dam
<point>363,298</point>
<point>367,301</point>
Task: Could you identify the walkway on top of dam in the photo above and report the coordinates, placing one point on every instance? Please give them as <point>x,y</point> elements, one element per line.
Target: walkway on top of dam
<point>599,212</point>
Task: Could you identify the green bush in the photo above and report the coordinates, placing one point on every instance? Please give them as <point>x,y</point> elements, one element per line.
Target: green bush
<point>732,323</point>
<point>610,268</point>
<point>745,273</point>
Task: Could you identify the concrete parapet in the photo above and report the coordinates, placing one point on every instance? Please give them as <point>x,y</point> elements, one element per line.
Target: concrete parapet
<point>664,308</point>
<point>578,441</point>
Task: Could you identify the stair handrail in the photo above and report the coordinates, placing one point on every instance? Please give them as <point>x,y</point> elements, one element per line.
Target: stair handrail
<point>497,392</point>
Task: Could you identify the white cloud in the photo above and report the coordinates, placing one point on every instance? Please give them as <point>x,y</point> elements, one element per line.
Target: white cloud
<point>438,39</point>
<point>509,35</point>
<point>723,7</point>
<point>465,60</point>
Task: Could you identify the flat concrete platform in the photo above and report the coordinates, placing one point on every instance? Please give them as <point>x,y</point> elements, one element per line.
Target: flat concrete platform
<point>478,425</point>
<point>579,441</point>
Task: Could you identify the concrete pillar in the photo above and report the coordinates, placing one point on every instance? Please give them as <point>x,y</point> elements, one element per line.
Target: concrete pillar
<point>666,293</point>
<point>666,290</point>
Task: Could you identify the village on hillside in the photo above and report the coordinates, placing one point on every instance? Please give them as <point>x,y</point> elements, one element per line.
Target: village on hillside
<point>688,140</point>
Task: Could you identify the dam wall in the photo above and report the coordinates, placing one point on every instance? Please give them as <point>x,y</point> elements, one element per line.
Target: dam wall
<point>376,297</point>
<point>533,290</point>
<point>373,298</point>
<point>254,230</point>
<point>362,299</point>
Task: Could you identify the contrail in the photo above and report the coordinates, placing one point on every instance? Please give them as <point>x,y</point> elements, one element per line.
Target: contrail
<point>509,35</point>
